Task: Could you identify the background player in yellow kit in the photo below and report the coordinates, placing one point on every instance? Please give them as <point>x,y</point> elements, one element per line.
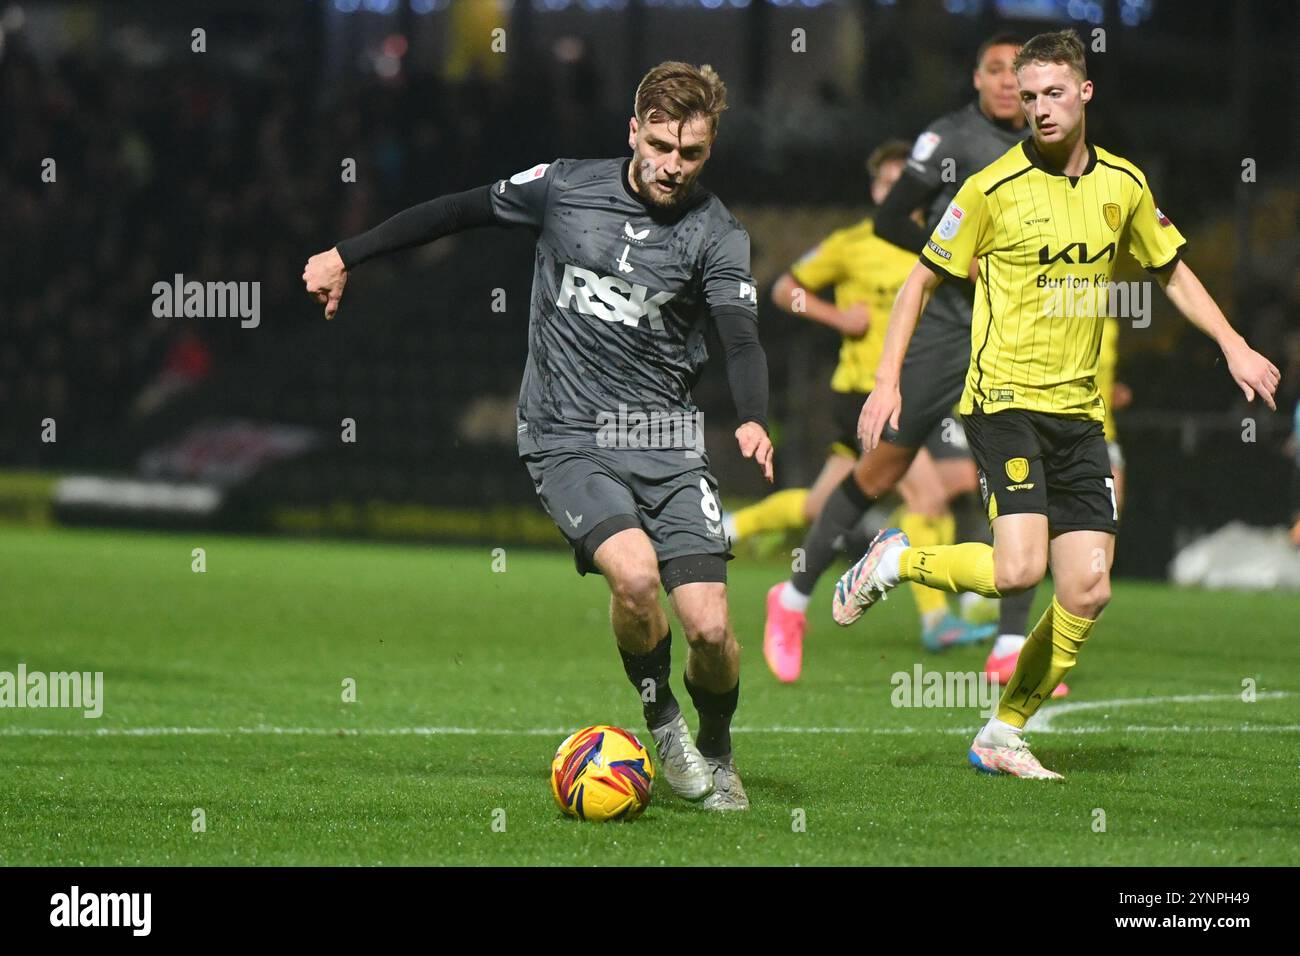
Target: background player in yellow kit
<point>1047,219</point>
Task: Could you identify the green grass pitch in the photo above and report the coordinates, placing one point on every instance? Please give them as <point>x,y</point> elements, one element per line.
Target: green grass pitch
<point>247,661</point>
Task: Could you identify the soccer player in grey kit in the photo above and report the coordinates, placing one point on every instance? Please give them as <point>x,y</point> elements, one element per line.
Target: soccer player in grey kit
<point>634,260</point>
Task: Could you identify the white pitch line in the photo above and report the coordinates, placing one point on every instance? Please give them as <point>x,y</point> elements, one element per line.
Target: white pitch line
<point>1041,723</point>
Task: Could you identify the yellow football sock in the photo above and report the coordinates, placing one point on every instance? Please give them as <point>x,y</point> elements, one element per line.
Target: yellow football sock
<point>951,567</point>
<point>777,512</point>
<point>923,532</point>
<point>1049,652</point>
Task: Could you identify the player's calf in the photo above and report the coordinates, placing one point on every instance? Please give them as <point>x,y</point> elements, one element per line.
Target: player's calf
<point>713,670</point>
<point>701,606</point>
<point>1081,563</point>
<point>679,760</point>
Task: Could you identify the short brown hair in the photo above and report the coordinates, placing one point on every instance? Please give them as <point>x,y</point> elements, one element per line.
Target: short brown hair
<point>890,151</point>
<point>677,92</point>
<point>1064,46</point>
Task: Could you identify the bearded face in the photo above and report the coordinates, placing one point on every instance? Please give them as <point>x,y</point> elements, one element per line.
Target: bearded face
<point>667,157</point>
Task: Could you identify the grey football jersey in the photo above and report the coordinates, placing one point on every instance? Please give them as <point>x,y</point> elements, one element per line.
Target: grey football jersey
<point>972,141</point>
<point>621,296</point>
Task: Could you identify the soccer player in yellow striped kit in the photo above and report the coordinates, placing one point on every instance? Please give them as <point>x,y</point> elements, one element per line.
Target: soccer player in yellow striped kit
<point>1047,221</point>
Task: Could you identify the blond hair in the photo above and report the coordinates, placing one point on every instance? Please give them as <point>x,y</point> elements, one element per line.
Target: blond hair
<point>678,92</point>
<point>1063,46</point>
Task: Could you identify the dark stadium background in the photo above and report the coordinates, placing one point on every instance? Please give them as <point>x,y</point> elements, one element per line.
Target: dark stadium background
<point>225,165</point>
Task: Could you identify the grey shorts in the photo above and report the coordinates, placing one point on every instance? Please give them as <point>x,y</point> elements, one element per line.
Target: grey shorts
<point>931,382</point>
<point>592,493</point>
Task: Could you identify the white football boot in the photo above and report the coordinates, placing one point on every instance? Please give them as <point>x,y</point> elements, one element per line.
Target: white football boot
<point>683,766</point>
<point>728,793</point>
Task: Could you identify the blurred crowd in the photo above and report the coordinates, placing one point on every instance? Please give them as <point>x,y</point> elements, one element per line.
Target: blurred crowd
<point>215,175</point>
<point>223,175</point>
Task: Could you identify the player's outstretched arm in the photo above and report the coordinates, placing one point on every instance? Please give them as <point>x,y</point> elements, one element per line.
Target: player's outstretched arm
<point>326,272</point>
<point>885,403</point>
<point>747,375</point>
<point>1252,372</point>
<point>789,296</point>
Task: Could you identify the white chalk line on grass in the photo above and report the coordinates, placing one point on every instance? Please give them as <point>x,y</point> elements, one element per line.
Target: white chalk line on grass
<point>1042,723</point>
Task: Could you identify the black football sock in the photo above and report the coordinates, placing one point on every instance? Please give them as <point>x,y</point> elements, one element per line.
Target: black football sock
<point>1015,612</point>
<point>649,675</point>
<point>830,533</point>
<point>714,738</point>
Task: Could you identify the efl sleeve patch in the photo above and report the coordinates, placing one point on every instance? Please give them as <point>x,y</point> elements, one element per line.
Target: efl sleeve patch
<point>950,222</point>
<point>528,175</point>
<point>925,146</point>
<point>521,200</point>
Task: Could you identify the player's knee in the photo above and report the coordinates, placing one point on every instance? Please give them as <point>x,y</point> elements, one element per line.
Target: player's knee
<point>1095,598</point>
<point>1101,593</point>
<point>1086,597</point>
<point>879,472</point>
<point>636,591</point>
<point>878,483</point>
<point>707,633</point>
<point>1018,572</point>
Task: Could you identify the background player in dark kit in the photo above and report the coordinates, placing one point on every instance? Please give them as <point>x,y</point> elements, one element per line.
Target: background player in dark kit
<point>633,260</point>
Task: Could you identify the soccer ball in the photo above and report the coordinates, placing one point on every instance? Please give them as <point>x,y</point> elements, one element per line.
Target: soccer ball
<point>602,773</point>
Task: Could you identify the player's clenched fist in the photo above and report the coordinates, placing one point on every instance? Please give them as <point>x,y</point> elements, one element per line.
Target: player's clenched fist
<point>884,404</point>
<point>325,276</point>
<point>755,444</point>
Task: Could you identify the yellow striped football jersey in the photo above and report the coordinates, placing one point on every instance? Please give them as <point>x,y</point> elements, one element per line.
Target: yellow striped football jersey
<point>863,268</point>
<point>1048,246</point>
